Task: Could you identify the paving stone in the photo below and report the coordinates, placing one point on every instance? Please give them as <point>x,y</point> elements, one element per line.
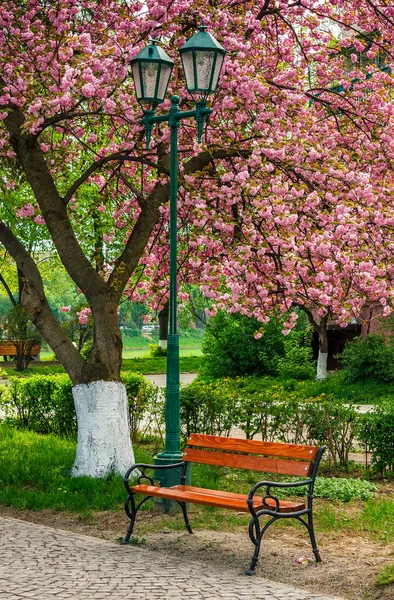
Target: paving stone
<point>38,562</point>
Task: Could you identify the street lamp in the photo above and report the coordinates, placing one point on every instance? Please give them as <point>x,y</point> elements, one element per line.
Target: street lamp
<point>202,59</point>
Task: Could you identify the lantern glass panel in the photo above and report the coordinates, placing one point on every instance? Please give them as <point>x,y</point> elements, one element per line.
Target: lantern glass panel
<point>204,64</point>
<point>137,81</point>
<point>216,74</point>
<point>149,71</point>
<point>165,75</point>
<point>188,68</point>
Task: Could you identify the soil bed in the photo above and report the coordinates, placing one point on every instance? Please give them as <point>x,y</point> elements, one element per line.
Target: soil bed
<point>349,567</point>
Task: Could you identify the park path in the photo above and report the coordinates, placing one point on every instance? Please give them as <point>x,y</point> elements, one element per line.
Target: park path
<point>160,378</point>
<point>41,563</point>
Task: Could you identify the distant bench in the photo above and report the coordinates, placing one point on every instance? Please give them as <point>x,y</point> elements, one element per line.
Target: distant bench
<point>8,350</point>
<point>266,457</point>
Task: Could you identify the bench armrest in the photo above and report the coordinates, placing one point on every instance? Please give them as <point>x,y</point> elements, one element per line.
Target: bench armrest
<point>270,484</point>
<point>141,467</point>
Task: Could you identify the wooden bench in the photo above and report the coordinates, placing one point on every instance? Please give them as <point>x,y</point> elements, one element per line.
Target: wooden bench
<point>8,349</point>
<point>266,457</point>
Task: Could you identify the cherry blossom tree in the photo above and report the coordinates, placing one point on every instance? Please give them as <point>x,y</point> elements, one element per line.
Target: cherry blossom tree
<point>286,202</point>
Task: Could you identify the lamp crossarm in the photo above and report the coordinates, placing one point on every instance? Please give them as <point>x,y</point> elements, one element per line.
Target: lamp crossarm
<point>173,117</point>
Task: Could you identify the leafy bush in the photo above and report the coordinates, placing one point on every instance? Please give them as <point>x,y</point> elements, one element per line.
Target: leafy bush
<point>333,423</point>
<point>156,350</point>
<point>44,404</point>
<point>369,358</point>
<point>41,403</point>
<point>142,396</point>
<point>298,362</point>
<point>377,433</point>
<point>258,406</point>
<point>230,349</point>
<point>207,407</point>
<point>335,488</point>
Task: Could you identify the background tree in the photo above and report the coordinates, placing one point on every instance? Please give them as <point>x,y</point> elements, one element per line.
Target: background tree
<point>21,331</point>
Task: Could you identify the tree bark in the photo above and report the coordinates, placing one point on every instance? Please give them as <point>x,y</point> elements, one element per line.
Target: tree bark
<point>163,324</point>
<point>319,324</point>
<point>104,443</point>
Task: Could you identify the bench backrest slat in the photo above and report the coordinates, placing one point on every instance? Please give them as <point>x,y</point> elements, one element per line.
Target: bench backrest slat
<point>243,461</point>
<point>294,451</point>
<point>266,457</point>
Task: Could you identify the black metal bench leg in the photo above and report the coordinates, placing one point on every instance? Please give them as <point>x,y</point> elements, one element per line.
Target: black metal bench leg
<point>256,535</point>
<point>186,517</point>
<point>131,512</point>
<point>254,560</point>
<point>129,532</point>
<point>311,531</point>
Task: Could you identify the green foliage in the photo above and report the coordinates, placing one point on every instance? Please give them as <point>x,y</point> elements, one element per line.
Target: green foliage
<point>335,424</point>
<point>43,404</point>
<point>369,358</point>
<point>297,362</point>
<point>385,575</point>
<point>208,407</point>
<point>377,433</point>
<point>274,410</point>
<point>156,350</point>
<point>142,398</point>
<point>230,348</point>
<point>335,488</point>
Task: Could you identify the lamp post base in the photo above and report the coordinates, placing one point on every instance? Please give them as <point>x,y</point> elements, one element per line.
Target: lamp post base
<point>168,478</point>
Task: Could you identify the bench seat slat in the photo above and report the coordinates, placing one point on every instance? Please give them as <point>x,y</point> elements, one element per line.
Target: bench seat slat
<point>242,461</point>
<point>229,500</point>
<point>294,451</point>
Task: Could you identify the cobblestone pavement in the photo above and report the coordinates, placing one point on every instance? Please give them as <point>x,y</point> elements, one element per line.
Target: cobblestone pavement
<point>40,563</point>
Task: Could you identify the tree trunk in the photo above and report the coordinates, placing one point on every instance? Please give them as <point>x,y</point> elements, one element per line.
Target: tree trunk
<point>323,351</point>
<point>104,443</point>
<point>319,324</point>
<point>163,324</point>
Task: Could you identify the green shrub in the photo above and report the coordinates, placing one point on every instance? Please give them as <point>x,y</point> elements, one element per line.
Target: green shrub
<point>142,396</point>
<point>335,424</point>
<point>377,433</point>
<point>369,358</point>
<point>230,348</point>
<point>272,410</point>
<point>207,407</point>
<point>335,488</point>
<point>44,404</point>
<point>156,350</point>
<point>41,403</point>
<point>298,363</point>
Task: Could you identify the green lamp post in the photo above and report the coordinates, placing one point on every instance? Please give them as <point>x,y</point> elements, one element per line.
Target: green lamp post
<point>202,59</point>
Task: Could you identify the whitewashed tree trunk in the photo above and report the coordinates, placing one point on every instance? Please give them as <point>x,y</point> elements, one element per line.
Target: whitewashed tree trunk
<point>322,365</point>
<point>104,444</point>
<point>163,344</point>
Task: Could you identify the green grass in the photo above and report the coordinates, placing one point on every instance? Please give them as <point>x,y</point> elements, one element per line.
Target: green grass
<point>386,575</point>
<point>188,364</point>
<point>35,475</point>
